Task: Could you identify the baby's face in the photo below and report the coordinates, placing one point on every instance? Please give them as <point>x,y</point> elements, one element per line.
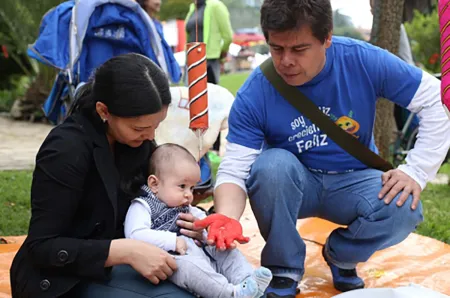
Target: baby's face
<point>177,185</point>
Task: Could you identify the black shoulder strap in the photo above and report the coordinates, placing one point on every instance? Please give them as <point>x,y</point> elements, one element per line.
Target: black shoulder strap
<point>305,106</point>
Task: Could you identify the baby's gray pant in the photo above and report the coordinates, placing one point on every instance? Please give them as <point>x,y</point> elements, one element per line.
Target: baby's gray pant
<point>199,274</point>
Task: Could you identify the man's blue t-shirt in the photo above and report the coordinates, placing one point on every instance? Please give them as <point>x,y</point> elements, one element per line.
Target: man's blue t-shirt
<point>355,75</point>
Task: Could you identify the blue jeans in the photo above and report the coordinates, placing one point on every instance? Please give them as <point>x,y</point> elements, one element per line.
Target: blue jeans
<point>126,282</point>
<point>282,190</point>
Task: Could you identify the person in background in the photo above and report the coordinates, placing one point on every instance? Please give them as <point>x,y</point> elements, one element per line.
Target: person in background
<point>208,21</point>
<point>163,52</point>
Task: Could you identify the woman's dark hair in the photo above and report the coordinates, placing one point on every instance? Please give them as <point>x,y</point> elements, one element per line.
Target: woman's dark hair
<point>283,15</point>
<point>130,85</point>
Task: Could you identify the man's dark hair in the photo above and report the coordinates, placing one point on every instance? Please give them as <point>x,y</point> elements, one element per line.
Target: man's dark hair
<point>283,15</point>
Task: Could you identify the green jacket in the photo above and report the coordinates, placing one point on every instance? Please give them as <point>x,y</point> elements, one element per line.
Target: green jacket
<point>217,31</point>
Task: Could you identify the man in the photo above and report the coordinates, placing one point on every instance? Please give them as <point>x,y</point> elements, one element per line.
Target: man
<point>290,169</point>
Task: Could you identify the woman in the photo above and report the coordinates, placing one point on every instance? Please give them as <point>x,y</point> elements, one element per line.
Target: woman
<point>87,171</point>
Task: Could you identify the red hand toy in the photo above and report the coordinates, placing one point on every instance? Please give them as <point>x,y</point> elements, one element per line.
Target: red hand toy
<point>223,230</point>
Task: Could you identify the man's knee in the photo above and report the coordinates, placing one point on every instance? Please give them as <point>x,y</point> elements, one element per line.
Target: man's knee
<point>407,219</point>
<point>404,219</point>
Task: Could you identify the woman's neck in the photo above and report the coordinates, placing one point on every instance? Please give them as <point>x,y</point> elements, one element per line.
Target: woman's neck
<point>111,142</point>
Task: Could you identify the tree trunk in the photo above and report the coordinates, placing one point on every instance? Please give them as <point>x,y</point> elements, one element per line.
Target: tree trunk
<point>29,107</point>
<point>386,34</point>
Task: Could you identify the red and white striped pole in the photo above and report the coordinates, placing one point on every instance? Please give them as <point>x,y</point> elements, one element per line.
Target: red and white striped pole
<point>198,87</point>
<point>444,25</point>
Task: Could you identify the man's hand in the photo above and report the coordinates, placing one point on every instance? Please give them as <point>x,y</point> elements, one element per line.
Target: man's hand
<point>396,181</point>
<point>223,231</point>
<point>223,55</point>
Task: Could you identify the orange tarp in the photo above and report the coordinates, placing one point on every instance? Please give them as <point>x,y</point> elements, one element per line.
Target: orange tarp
<point>420,260</point>
<point>7,252</point>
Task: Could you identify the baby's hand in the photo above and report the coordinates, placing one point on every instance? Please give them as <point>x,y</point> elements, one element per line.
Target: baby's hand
<point>181,246</point>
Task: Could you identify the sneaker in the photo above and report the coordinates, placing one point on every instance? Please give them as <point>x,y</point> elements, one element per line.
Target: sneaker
<point>246,289</point>
<point>262,276</point>
<point>344,279</point>
<point>282,287</point>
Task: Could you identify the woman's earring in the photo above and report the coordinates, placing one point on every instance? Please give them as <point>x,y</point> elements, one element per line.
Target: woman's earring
<point>104,120</point>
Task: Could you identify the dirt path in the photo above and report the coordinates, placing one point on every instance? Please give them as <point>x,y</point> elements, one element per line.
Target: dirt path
<point>19,143</point>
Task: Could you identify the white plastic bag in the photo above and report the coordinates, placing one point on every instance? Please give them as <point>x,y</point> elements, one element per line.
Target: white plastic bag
<point>411,291</point>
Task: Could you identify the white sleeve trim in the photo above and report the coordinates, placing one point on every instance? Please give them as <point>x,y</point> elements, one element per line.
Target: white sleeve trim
<point>196,212</point>
<point>236,164</point>
<point>433,141</point>
<point>138,224</point>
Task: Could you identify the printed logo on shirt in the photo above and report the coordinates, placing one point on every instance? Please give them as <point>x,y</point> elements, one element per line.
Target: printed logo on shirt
<point>308,130</point>
<point>347,123</point>
<point>309,135</point>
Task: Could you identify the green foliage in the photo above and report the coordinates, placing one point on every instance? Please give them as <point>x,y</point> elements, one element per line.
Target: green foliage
<point>20,21</point>
<point>343,26</point>
<point>348,32</point>
<point>341,20</point>
<point>423,32</point>
<point>20,85</point>
<point>174,9</point>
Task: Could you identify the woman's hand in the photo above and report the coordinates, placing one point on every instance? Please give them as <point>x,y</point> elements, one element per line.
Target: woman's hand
<point>186,223</point>
<point>150,261</point>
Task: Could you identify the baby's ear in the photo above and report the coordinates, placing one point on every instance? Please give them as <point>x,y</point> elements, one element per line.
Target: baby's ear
<point>153,183</point>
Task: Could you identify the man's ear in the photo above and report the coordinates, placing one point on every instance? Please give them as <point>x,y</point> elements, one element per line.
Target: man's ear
<point>153,183</point>
<point>328,40</point>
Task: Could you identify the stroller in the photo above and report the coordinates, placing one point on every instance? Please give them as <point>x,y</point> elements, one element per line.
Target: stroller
<point>77,36</point>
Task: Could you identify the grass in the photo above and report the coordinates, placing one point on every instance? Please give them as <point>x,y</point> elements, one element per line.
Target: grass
<point>436,203</point>
<point>14,202</point>
<point>15,194</point>
<point>234,81</point>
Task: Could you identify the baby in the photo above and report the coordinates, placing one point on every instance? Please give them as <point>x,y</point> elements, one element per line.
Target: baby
<point>152,218</point>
